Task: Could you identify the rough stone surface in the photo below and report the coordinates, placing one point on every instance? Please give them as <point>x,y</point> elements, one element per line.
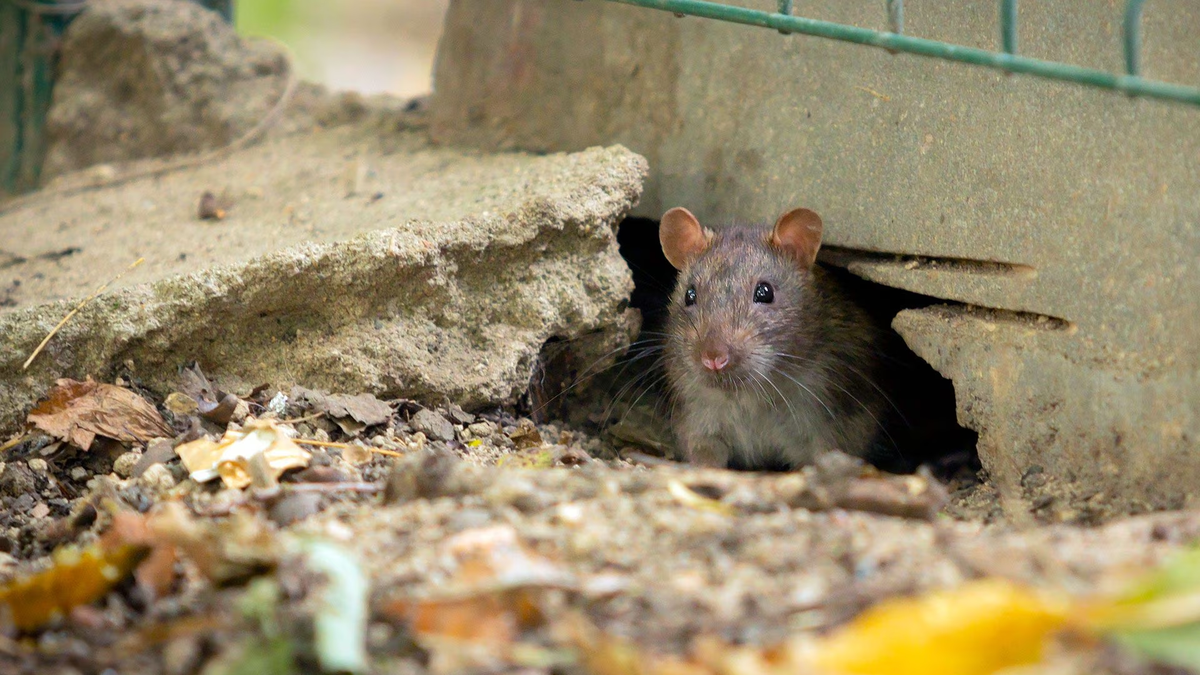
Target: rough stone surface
<point>1011,193</point>
<point>146,79</point>
<point>510,251</point>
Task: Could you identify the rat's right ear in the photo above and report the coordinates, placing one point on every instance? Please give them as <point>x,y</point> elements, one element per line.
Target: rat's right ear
<point>682,237</point>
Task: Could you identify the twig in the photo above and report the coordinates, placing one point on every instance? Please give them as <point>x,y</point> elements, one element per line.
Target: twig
<point>347,446</point>
<point>65,319</point>
<point>874,93</point>
<point>13,442</point>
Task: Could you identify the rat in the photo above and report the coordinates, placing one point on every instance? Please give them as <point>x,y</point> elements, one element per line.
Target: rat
<point>769,363</point>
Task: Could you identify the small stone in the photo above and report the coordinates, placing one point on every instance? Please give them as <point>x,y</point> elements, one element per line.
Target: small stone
<point>482,429</point>
<point>295,507</point>
<point>432,425</point>
<point>40,511</point>
<point>241,411</point>
<point>124,465</point>
<point>38,465</point>
<point>78,473</point>
<point>181,404</point>
<point>157,478</point>
<point>459,416</point>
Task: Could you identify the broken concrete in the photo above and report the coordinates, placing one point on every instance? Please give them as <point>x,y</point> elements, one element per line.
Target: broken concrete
<point>1030,197</point>
<point>440,276</point>
<point>147,78</point>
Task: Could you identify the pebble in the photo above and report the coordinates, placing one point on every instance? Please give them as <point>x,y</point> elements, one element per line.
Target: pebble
<point>78,473</point>
<point>39,465</point>
<point>432,425</point>
<point>124,465</point>
<point>157,478</point>
<point>482,429</point>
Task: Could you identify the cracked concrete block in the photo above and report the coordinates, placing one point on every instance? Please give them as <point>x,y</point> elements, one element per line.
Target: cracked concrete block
<point>1024,197</point>
<point>443,280</point>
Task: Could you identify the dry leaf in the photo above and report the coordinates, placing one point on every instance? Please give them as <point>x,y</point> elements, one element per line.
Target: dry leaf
<point>351,413</point>
<point>976,629</point>
<point>493,593</point>
<point>233,550</point>
<point>232,457</point>
<point>77,412</point>
<point>78,576</point>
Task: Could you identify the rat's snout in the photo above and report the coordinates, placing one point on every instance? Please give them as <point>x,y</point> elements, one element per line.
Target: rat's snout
<point>717,355</point>
<point>715,359</point>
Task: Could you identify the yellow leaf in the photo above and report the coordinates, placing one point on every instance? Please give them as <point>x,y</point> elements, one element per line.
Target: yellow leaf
<point>976,629</point>
<point>230,457</point>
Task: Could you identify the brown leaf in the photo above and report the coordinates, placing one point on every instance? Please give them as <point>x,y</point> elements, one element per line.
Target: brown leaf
<point>77,412</point>
<point>364,409</point>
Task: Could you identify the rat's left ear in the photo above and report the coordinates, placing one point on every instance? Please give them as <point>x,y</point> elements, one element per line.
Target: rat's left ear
<point>798,234</point>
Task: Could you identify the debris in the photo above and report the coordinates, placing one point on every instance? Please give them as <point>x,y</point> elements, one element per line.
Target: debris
<point>689,497</point>
<point>209,209</point>
<point>232,457</point>
<point>433,425</point>
<point>78,576</point>
<point>57,327</point>
<point>494,594</point>
<point>77,412</point>
<point>212,404</point>
<point>158,451</point>
<point>526,435</point>
<point>231,552</point>
<point>459,416</point>
<point>124,465</point>
<point>294,507</point>
<point>351,413</point>
<point>340,621</point>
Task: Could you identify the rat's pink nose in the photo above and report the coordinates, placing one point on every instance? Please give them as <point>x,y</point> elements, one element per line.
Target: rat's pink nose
<point>715,361</point>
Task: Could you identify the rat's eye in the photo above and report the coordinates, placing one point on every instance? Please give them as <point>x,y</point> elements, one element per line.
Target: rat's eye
<point>689,298</point>
<point>763,292</point>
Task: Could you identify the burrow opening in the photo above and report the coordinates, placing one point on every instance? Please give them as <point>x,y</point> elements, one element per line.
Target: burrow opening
<point>928,433</point>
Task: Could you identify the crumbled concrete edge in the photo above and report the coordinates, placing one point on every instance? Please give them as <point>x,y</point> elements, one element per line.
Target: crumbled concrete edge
<point>429,311</point>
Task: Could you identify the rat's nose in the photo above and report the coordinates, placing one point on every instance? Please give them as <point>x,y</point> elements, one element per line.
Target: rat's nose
<point>715,360</point>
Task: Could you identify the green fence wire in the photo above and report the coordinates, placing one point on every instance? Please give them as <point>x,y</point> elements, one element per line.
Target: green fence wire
<point>1130,83</point>
<point>29,36</point>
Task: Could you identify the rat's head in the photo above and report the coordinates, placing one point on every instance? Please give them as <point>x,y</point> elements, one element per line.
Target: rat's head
<point>743,298</point>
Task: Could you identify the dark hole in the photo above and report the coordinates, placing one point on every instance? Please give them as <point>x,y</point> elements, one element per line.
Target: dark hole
<point>925,430</point>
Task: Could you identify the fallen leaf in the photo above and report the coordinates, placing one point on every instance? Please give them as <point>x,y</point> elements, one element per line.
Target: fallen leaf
<point>976,629</point>
<point>1156,615</point>
<point>231,458</point>
<point>492,595</point>
<point>352,413</point>
<point>234,550</point>
<point>77,412</point>
<point>78,576</point>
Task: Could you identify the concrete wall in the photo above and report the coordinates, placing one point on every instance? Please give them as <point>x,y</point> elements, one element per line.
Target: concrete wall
<point>1070,214</point>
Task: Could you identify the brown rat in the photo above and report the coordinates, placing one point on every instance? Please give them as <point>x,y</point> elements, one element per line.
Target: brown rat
<point>770,363</point>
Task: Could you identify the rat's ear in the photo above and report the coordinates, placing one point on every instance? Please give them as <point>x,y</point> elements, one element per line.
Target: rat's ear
<point>682,237</point>
<point>798,234</point>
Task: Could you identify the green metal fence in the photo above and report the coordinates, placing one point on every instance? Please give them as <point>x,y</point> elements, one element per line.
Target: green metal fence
<point>30,32</point>
<point>1130,82</point>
